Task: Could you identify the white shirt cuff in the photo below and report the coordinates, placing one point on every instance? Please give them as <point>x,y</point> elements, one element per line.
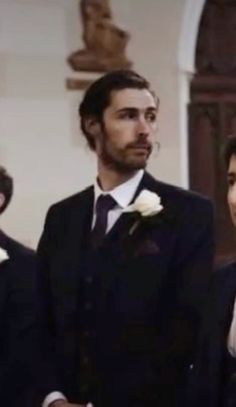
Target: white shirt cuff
<point>55,395</point>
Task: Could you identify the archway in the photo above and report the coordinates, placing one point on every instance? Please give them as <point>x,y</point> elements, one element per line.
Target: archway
<point>212,112</point>
<point>186,63</point>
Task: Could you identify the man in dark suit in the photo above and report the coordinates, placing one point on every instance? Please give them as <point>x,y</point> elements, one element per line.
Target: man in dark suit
<point>213,382</point>
<point>18,313</point>
<point>126,263</point>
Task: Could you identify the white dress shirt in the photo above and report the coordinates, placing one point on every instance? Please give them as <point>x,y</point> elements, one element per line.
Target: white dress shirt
<point>123,195</point>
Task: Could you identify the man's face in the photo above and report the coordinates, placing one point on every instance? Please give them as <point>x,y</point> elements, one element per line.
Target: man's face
<point>232,188</point>
<point>128,130</point>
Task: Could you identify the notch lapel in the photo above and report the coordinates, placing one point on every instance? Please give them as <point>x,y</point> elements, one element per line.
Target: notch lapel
<point>66,264</point>
<point>80,225</point>
<point>125,222</point>
<point>162,235</point>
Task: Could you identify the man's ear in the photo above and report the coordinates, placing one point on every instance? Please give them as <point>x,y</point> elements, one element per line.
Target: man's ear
<point>92,126</point>
<point>2,200</point>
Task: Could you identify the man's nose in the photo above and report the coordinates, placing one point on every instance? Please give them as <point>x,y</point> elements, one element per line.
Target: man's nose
<point>143,126</point>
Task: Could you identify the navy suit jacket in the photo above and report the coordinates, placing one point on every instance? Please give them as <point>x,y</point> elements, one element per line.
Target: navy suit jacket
<point>18,321</point>
<point>153,286</point>
<point>213,378</point>
<point>26,374</point>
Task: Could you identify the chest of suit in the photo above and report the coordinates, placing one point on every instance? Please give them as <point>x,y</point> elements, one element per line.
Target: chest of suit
<point>118,286</point>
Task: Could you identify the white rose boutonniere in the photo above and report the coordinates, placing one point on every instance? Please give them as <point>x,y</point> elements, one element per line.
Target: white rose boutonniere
<point>147,204</point>
<point>3,255</point>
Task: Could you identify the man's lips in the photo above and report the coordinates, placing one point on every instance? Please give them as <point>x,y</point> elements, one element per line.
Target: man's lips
<point>146,147</point>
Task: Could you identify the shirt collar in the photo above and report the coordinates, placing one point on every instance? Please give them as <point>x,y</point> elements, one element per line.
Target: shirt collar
<point>123,193</point>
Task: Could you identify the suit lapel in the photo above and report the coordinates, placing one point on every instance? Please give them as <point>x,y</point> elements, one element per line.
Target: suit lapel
<point>80,225</point>
<point>161,236</point>
<point>66,267</point>
<point>125,222</point>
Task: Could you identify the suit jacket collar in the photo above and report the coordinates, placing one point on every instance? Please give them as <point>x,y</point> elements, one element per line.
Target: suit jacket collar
<point>82,212</point>
<point>125,221</point>
<point>147,182</point>
<point>123,193</point>
<point>78,217</point>
<point>80,221</point>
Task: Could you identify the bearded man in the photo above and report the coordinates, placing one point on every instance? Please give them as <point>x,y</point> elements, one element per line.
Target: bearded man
<point>125,262</point>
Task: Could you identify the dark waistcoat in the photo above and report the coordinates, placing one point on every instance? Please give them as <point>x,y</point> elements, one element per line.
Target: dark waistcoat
<point>113,340</point>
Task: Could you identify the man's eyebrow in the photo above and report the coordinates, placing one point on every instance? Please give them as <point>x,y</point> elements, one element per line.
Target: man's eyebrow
<point>135,109</point>
<point>154,108</point>
<point>125,108</point>
<point>231,174</point>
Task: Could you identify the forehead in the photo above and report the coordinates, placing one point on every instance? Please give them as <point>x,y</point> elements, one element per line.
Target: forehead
<point>136,98</point>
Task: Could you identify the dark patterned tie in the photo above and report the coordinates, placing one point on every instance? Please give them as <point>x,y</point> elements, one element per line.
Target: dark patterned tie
<point>104,204</point>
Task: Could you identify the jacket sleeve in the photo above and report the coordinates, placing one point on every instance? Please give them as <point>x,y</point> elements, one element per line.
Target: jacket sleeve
<point>192,266</point>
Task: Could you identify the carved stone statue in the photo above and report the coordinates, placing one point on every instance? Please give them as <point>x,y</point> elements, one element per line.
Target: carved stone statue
<point>105,43</point>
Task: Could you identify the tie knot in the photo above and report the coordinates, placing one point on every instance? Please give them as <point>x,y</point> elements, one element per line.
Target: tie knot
<point>105,203</point>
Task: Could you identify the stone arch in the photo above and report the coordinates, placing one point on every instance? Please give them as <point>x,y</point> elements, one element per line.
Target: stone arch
<point>186,66</point>
<point>212,114</point>
<point>188,36</point>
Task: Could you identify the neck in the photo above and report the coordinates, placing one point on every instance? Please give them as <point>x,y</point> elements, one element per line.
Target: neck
<point>109,178</point>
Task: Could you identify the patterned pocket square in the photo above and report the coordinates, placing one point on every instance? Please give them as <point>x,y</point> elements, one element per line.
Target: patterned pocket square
<point>146,247</point>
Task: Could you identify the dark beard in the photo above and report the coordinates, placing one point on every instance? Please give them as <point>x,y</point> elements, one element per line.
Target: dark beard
<point>117,163</point>
<point>120,166</point>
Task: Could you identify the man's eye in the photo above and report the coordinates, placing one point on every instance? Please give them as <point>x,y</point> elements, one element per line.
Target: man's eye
<point>231,182</point>
<point>151,117</point>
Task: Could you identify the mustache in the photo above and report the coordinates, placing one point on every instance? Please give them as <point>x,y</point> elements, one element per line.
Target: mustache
<point>140,144</point>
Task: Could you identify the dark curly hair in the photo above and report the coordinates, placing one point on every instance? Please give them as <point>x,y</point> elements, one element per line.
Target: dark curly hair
<point>97,96</point>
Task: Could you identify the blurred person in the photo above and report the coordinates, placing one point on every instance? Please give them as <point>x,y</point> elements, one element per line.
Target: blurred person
<point>213,382</point>
<point>25,371</point>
